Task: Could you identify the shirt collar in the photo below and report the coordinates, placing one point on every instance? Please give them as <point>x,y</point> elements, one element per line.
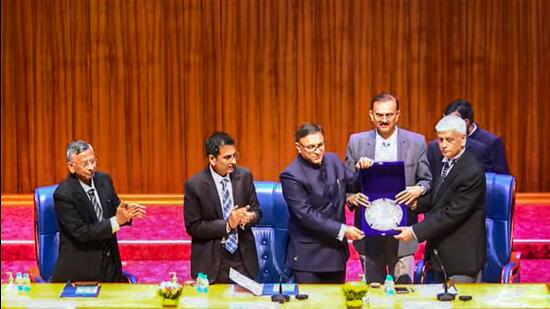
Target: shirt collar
<point>390,140</point>
<point>474,129</point>
<point>455,157</point>
<point>86,187</point>
<point>217,177</point>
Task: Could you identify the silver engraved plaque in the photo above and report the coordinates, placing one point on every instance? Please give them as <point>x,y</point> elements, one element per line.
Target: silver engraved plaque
<point>383,214</point>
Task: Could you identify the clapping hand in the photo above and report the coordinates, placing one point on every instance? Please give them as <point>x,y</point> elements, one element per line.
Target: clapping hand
<point>241,216</point>
<point>126,212</point>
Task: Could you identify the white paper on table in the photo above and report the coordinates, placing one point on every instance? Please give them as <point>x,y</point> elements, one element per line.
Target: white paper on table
<point>245,282</point>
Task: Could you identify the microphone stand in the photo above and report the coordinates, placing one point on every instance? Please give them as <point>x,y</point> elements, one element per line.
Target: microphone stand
<point>280,298</point>
<point>445,296</point>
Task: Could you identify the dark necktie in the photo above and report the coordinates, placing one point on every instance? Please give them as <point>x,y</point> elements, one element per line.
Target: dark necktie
<point>444,172</point>
<point>231,242</point>
<point>97,208</point>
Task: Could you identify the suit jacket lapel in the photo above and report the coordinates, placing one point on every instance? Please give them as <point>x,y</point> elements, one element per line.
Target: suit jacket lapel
<point>402,146</point>
<point>102,198</point>
<point>235,183</point>
<point>212,192</point>
<point>449,179</point>
<point>84,202</point>
<point>371,144</point>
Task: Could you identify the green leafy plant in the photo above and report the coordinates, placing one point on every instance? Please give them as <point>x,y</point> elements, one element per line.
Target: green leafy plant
<point>170,290</point>
<point>354,293</point>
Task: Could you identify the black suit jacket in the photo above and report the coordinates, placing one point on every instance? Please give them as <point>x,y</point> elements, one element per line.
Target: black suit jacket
<point>204,221</point>
<point>455,218</point>
<point>476,148</point>
<point>83,239</point>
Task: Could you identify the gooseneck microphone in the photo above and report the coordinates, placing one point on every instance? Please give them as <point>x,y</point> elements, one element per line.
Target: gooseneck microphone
<point>445,296</point>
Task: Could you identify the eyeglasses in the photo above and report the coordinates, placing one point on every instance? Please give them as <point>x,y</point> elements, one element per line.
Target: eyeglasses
<point>231,156</point>
<point>313,147</point>
<point>91,162</point>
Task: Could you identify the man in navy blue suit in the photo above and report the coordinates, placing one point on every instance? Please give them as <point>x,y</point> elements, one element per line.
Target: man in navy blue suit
<point>314,186</point>
<point>493,143</point>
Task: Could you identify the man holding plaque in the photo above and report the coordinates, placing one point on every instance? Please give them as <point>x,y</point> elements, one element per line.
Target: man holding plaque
<point>314,186</point>
<point>388,143</point>
<point>454,224</point>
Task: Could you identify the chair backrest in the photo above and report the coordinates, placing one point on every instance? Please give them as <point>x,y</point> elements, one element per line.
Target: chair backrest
<point>46,231</point>
<point>499,208</point>
<point>271,233</point>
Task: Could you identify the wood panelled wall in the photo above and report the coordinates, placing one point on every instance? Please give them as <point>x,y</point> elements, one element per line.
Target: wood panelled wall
<point>145,81</point>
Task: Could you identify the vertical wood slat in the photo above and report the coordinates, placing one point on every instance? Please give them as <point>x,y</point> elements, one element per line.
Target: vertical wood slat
<point>146,81</point>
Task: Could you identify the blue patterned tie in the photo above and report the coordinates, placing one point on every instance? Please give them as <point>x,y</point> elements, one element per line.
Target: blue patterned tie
<point>231,242</point>
<point>97,208</point>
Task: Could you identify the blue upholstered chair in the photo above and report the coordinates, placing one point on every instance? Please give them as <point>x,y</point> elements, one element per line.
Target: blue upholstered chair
<point>46,231</point>
<point>271,233</point>
<point>502,265</point>
<point>46,234</point>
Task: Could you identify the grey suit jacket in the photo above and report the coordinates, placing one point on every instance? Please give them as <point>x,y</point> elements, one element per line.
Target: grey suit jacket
<point>411,149</point>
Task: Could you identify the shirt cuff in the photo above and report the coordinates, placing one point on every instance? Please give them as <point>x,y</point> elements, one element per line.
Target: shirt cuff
<point>341,232</point>
<point>114,225</point>
<point>414,234</point>
<point>423,190</point>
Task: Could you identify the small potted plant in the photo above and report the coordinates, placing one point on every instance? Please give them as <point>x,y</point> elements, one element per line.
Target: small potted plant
<point>354,293</point>
<point>170,291</point>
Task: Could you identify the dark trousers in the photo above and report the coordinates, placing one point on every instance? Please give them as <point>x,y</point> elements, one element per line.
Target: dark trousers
<point>380,257</point>
<point>230,260</point>
<point>315,277</point>
<point>110,270</point>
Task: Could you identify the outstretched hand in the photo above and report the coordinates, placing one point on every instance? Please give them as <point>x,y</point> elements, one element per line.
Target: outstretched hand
<point>364,162</point>
<point>409,195</point>
<point>406,233</point>
<point>358,199</point>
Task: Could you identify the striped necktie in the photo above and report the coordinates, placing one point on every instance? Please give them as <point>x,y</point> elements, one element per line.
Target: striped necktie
<point>231,242</point>
<point>97,207</point>
<point>444,172</point>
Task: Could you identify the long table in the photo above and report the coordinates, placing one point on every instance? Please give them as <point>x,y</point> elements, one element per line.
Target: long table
<point>320,296</point>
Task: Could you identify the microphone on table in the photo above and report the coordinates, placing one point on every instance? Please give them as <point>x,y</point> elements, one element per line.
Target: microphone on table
<point>280,298</point>
<point>445,296</point>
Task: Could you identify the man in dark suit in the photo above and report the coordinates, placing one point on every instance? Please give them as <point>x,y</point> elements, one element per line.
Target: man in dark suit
<point>387,142</point>
<point>455,208</point>
<point>220,207</point>
<point>89,214</point>
<point>493,143</point>
<point>314,186</point>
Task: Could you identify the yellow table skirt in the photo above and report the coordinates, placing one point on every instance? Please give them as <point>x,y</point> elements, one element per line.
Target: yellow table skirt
<point>320,296</point>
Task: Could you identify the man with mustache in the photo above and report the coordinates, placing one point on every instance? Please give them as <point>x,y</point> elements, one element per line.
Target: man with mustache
<point>220,207</point>
<point>89,214</point>
<point>387,142</point>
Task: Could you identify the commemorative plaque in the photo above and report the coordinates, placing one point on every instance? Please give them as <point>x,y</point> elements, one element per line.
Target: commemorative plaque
<point>381,182</point>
